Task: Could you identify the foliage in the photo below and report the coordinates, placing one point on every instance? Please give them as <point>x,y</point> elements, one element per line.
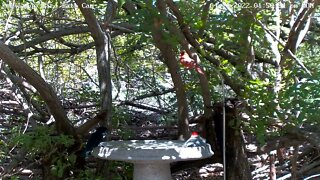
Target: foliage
<point>43,143</point>
<point>41,140</point>
<point>121,170</point>
<point>232,42</point>
<point>301,100</point>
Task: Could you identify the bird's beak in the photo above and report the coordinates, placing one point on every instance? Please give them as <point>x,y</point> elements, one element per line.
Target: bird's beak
<point>104,134</point>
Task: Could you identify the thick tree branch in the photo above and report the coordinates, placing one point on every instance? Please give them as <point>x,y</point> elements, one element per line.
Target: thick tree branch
<point>129,103</point>
<point>102,42</point>
<point>286,50</point>
<point>153,94</point>
<point>122,28</point>
<point>167,51</point>
<point>93,24</point>
<point>302,22</point>
<point>88,125</point>
<point>63,124</point>
<point>43,27</point>
<point>50,36</point>
<point>185,40</point>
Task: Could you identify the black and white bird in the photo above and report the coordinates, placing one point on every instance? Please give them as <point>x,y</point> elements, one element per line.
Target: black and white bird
<point>94,140</point>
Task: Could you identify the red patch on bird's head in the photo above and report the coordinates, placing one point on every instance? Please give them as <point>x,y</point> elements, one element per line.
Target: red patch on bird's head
<point>195,133</point>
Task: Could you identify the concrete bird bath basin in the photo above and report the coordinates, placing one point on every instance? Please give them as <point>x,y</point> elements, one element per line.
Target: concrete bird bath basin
<point>151,158</point>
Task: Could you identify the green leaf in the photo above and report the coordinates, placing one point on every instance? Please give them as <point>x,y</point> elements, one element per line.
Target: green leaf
<point>121,3</point>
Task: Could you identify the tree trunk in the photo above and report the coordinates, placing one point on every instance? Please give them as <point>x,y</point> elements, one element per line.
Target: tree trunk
<point>237,165</point>
<point>103,50</point>
<point>167,51</point>
<point>102,40</point>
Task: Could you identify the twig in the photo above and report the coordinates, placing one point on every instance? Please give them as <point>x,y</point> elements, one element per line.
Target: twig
<point>272,172</point>
<point>313,176</point>
<point>294,162</point>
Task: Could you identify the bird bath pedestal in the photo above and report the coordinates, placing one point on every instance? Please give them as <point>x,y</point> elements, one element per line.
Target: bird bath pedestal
<point>151,158</point>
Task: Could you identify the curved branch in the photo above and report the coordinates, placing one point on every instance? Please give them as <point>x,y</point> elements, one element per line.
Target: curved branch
<point>63,124</point>
<point>167,51</point>
<point>50,36</point>
<point>300,27</point>
<point>122,28</point>
<point>102,42</point>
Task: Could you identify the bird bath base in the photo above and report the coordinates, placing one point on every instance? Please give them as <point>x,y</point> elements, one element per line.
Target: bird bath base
<point>151,171</point>
<point>151,158</point>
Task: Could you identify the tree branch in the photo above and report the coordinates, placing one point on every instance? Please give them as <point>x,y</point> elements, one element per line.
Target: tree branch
<point>63,124</point>
<point>129,103</point>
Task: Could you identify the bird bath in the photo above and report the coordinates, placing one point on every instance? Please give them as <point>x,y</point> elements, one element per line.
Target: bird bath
<point>151,158</point>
